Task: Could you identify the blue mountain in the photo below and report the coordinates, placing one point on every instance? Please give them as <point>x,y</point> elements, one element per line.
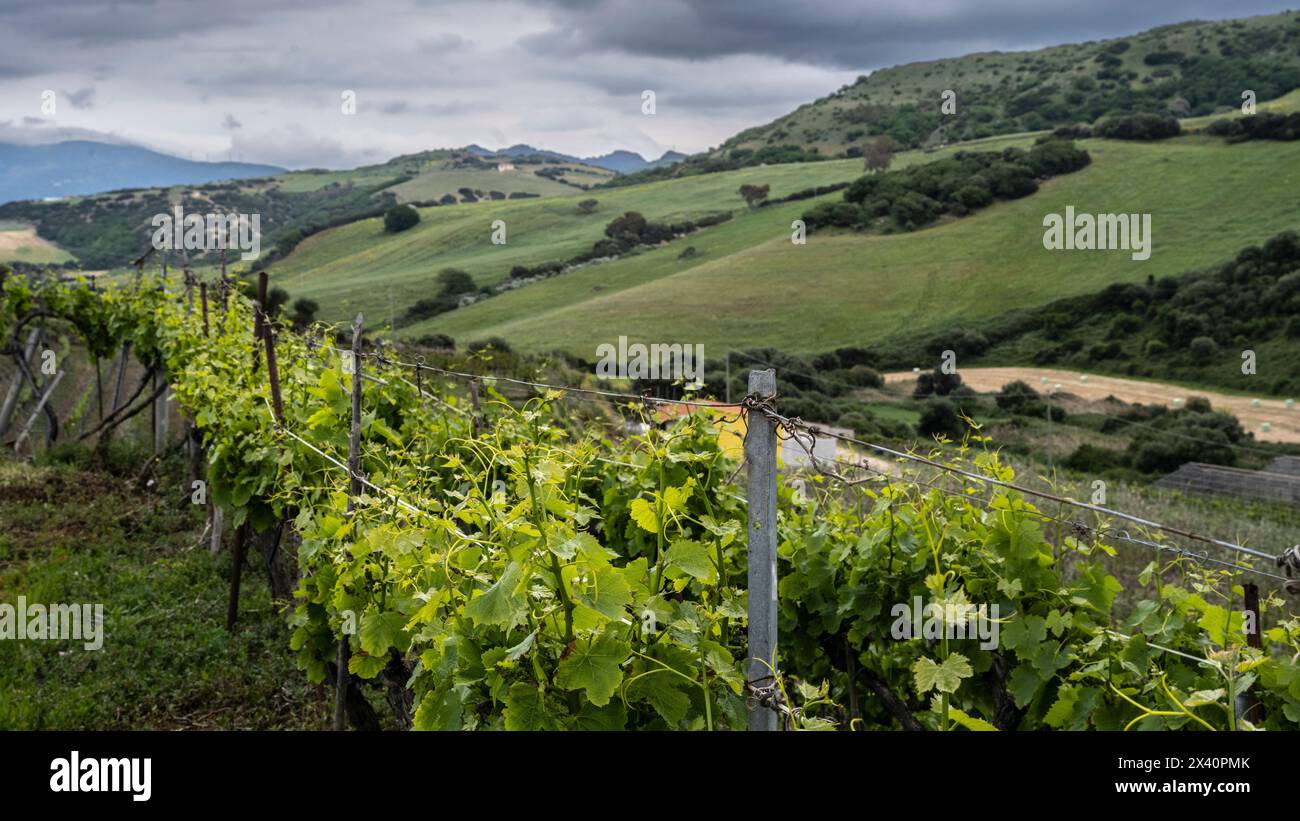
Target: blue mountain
<point>29,172</point>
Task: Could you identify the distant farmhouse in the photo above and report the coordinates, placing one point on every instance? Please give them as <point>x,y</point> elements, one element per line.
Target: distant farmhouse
<point>505,166</point>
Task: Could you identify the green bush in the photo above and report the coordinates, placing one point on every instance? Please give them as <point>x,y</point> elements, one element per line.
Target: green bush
<point>400,218</point>
<point>939,418</point>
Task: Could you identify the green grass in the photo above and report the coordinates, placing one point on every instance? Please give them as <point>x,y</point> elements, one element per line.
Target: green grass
<point>751,286</point>
<point>298,182</point>
<point>437,179</point>
<point>74,535</point>
<point>353,267</point>
<point>896,413</point>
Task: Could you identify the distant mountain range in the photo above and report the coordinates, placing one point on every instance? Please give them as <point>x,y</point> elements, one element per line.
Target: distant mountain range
<point>620,162</point>
<point>74,167</point>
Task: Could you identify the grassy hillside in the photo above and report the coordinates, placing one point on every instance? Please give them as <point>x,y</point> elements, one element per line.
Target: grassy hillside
<point>1193,328</point>
<point>751,286</point>
<point>354,267</point>
<point>111,229</point>
<point>1189,69</point>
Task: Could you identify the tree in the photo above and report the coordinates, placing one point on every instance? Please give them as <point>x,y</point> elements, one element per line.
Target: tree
<point>754,194</point>
<point>276,299</point>
<point>936,383</point>
<point>631,225</point>
<point>939,418</point>
<point>453,281</point>
<point>1203,350</point>
<point>437,341</point>
<point>587,206</point>
<point>879,153</point>
<point>399,218</point>
<point>304,312</point>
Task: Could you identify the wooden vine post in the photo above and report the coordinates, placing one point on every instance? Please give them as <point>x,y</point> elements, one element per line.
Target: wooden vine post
<point>203,300</point>
<point>240,546</point>
<point>475,422</point>
<point>236,569</point>
<point>273,372</point>
<point>760,461</point>
<point>223,287</point>
<point>1247,706</point>
<point>354,490</point>
<point>16,386</point>
<point>259,320</point>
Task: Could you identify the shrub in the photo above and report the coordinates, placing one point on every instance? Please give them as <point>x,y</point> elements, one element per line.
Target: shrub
<point>399,218</point>
<point>913,210</point>
<point>939,418</point>
<point>850,356</point>
<point>1016,396</point>
<point>1093,460</point>
<point>862,376</point>
<point>833,214</point>
<point>1203,349</point>
<point>754,194</point>
<point>454,281</point>
<point>1160,58</point>
<point>936,383</point>
<point>436,341</point>
<point>1263,126</point>
<point>1139,127</point>
<point>492,343</point>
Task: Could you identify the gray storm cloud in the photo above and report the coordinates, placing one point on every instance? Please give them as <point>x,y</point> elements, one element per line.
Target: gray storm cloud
<point>563,74</point>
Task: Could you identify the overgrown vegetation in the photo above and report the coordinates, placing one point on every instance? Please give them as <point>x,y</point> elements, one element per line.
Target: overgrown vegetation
<point>1267,125</point>
<point>915,197</point>
<point>1189,69</point>
<point>72,531</point>
<point>1193,328</point>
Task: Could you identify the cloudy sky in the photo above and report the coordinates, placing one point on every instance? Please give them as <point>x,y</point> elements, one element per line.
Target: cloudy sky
<point>263,80</point>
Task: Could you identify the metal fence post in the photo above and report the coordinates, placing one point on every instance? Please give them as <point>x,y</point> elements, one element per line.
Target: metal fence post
<point>344,651</point>
<point>760,461</point>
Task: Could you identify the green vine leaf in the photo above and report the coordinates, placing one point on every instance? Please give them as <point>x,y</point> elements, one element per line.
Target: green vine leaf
<point>593,667</point>
<point>945,678</point>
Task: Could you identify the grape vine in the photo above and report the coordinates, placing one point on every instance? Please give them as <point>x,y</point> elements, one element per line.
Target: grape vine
<point>544,574</point>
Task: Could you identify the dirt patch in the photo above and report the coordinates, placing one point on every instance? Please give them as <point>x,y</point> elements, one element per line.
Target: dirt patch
<point>1284,424</point>
<point>23,239</point>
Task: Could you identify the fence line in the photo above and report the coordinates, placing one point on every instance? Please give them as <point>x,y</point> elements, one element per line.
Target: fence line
<point>1078,527</point>
<point>794,427</point>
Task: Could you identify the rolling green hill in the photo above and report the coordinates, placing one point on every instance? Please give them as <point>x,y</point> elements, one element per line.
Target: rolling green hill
<point>1188,69</point>
<point>750,286</point>
<point>359,267</point>
<point>111,229</point>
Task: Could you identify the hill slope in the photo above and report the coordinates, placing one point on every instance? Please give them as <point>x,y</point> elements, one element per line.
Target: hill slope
<point>110,230</point>
<point>1189,69</point>
<point>751,286</point>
